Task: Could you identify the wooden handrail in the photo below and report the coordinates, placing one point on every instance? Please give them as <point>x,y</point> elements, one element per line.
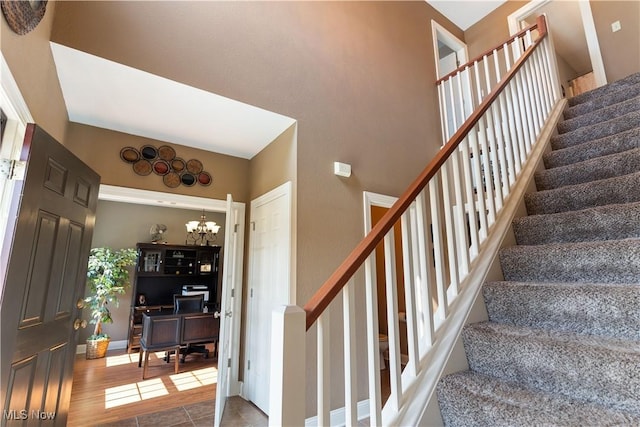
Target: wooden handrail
<point>540,25</point>
<point>334,284</point>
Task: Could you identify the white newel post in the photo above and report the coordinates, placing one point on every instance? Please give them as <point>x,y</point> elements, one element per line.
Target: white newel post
<point>287,384</point>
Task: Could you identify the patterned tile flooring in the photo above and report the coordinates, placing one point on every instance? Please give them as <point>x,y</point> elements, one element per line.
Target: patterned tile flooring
<point>238,413</point>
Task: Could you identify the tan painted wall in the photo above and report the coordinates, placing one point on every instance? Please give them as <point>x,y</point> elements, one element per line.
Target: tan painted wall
<point>31,63</point>
<point>620,51</point>
<point>357,76</point>
<point>274,165</point>
<point>100,149</point>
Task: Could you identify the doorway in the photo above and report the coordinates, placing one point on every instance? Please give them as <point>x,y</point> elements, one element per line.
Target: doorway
<point>450,52</point>
<point>270,284</point>
<point>577,52</point>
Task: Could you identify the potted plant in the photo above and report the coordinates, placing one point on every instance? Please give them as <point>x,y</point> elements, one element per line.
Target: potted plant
<point>108,277</point>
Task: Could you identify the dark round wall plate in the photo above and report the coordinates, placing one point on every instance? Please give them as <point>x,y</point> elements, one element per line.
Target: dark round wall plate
<point>149,152</point>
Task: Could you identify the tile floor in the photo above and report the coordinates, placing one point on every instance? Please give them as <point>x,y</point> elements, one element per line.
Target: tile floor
<point>238,413</point>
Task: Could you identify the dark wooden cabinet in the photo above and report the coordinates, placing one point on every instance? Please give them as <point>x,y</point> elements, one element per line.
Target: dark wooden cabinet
<point>162,271</point>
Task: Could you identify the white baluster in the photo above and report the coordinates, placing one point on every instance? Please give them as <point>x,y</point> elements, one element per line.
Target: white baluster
<point>393,331</point>
<point>409,254</point>
<point>324,369</point>
<point>438,247</point>
<point>373,340</point>
<point>350,354</point>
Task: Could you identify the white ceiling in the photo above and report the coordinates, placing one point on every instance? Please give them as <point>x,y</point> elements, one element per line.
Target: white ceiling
<point>109,95</point>
<point>465,13</point>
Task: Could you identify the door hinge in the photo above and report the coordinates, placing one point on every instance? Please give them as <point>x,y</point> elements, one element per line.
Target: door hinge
<point>248,364</point>
<point>235,228</point>
<point>253,225</point>
<point>251,293</point>
<point>13,169</point>
<point>228,362</point>
<point>233,293</point>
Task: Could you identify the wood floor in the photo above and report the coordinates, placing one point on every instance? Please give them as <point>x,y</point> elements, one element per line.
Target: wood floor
<point>110,391</point>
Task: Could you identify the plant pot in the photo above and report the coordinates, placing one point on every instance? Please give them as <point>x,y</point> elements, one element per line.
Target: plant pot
<point>97,348</point>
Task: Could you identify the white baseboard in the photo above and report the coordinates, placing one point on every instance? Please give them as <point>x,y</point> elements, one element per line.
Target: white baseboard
<point>113,345</point>
<point>338,415</point>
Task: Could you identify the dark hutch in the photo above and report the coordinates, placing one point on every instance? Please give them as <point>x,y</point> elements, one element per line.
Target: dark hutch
<point>163,271</point>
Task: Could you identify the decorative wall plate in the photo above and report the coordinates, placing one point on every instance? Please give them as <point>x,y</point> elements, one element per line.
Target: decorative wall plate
<point>163,161</point>
<point>166,153</point>
<point>171,180</point>
<point>23,16</point>
<point>149,152</point>
<point>188,179</point>
<point>194,166</point>
<point>204,178</point>
<point>129,154</point>
<point>161,167</point>
<point>178,164</point>
<point>142,167</point>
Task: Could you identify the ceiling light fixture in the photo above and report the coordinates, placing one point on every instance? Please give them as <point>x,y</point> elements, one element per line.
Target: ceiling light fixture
<point>201,232</point>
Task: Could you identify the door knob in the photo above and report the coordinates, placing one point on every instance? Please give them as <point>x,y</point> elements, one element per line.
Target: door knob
<point>80,303</point>
<point>77,324</point>
<point>217,314</point>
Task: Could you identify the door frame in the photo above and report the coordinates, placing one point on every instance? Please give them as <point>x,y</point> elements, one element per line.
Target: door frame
<point>283,190</point>
<point>441,33</point>
<point>18,115</point>
<point>154,198</point>
<point>589,26</point>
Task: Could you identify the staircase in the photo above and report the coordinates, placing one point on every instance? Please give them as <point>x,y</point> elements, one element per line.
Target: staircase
<point>562,344</point>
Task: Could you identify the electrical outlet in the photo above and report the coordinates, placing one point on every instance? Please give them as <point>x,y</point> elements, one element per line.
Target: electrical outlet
<point>615,26</point>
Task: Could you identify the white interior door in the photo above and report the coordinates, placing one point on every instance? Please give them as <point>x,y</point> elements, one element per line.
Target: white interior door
<point>269,285</point>
<point>230,306</point>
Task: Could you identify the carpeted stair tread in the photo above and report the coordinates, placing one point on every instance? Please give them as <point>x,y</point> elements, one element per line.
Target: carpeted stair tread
<point>601,91</point>
<point>469,399</point>
<point>596,131</point>
<point>621,189</point>
<point>611,261</point>
<point>617,143</point>
<point>609,222</point>
<point>562,344</point>
<point>582,367</point>
<point>602,115</point>
<point>589,170</point>
<point>602,309</point>
<point>610,98</point>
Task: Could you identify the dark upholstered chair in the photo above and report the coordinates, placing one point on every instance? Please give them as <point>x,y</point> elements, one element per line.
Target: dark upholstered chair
<point>159,333</point>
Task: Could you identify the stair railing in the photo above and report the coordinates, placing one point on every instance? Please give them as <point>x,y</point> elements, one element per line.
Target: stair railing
<point>445,216</point>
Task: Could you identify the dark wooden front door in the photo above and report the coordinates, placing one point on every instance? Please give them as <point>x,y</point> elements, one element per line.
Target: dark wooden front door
<point>44,280</point>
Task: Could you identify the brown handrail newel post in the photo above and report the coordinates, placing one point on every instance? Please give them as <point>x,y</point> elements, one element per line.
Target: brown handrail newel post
<point>334,284</point>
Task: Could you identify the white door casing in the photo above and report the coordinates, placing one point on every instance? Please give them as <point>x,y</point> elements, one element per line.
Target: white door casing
<point>230,309</point>
<point>444,65</point>
<point>269,283</point>
<point>155,198</point>
<point>595,55</point>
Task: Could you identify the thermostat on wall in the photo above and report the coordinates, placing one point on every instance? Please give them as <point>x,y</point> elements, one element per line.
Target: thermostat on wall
<point>342,169</point>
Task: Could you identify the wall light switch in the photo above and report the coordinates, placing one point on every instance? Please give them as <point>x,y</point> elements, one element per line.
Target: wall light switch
<point>342,169</point>
<point>615,26</point>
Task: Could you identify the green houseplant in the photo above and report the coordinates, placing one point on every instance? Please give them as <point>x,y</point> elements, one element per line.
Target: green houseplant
<point>108,277</point>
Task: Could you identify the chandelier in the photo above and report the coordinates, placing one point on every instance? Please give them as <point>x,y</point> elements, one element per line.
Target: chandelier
<point>201,232</point>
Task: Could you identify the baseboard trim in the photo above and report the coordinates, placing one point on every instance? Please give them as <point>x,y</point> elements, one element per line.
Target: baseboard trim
<point>113,345</point>
<point>338,417</point>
